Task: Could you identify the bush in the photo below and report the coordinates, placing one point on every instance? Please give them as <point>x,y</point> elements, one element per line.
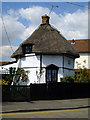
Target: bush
<point>4,82</point>
<point>82,77</point>
<point>68,79</point>
<point>14,76</point>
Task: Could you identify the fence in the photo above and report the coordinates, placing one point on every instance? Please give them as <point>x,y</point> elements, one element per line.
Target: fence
<point>59,91</point>
<point>45,91</point>
<point>15,93</point>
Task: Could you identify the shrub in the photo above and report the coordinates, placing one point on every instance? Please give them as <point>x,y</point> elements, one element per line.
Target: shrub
<point>82,77</point>
<point>4,82</point>
<point>68,79</point>
<point>14,76</point>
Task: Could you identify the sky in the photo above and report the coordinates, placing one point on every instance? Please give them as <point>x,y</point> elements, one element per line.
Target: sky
<point>20,19</point>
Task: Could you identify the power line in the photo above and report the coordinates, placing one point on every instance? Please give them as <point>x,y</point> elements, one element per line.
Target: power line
<point>73,4</point>
<point>7,34</point>
<point>68,3</point>
<point>77,5</point>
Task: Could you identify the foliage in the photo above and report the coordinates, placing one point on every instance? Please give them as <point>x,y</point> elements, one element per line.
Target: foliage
<point>68,79</point>
<point>82,77</point>
<point>39,74</point>
<point>4,82</point>
<point>11,74</point>
<point>15,75</point>
<point>20,74</point>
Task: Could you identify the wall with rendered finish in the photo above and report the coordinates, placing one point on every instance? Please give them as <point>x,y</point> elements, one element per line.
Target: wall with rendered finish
<point>68,66</point>
<point>51,59</point>
<point>31,63</point>
<point>68,62</point>
<point>88,60</point>
<point>60,61</point>
<point>56,60</point>
<point>83,60</point>
<point>31,60</point>
<point>60,74</point>
<point>68,72</point>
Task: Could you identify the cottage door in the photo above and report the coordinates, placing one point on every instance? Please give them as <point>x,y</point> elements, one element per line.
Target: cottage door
<point>51,73</point>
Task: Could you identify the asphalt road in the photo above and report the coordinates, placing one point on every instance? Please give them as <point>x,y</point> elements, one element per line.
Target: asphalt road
<point>71,108</point>
<point>43,105</point>
<point>71,113</point>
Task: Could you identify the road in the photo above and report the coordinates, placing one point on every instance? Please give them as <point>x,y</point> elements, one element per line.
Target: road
<point>69,113</point>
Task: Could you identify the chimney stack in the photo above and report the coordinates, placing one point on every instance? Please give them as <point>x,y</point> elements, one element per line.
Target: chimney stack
<point>45,19</point>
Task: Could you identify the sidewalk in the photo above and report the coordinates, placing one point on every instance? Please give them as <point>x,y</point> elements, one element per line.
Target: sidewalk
<point>44,105</point>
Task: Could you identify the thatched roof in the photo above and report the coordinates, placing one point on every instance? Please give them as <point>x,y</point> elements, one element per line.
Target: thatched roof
<point>47,40</point>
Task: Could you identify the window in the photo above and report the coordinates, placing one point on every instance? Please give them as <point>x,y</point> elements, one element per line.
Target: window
<point>27,49</point>
<point>73,41</point>
<point>51,73</point>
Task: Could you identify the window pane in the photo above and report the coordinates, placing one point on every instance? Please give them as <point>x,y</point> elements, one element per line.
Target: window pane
<point>48,75</point>
<point>51,75</point>
<point>28,48</point>
<point>54,75</point>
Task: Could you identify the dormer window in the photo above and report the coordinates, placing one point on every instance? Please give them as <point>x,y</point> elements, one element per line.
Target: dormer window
<point>73,41</point>
<point>27,49</point>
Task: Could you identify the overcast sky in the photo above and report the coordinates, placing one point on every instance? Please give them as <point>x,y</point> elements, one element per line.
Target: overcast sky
<point>22,18</point>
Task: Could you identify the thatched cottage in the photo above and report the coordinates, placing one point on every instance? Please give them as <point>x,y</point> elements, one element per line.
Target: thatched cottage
<point>46,54</point>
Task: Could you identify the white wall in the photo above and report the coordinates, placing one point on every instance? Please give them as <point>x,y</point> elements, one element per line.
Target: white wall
<point>83,60</point>
<point>58,61</point>
<point>60,74</point>
<point>68,62</point>
<point>52,59</point>
<point>68,72</point>
<point>88,60</point>
<point>31,63</point>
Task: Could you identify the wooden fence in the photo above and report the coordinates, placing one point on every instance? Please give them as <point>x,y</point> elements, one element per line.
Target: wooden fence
<point>51,91</point>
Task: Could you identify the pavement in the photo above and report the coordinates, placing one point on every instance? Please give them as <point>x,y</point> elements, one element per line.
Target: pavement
<point>10,107</point>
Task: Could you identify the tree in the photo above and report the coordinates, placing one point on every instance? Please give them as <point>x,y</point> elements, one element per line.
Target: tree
<point>82,77</point>
<point>15,75</point>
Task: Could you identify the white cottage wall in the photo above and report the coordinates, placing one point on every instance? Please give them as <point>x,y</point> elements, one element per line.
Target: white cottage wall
<point>68,72</point>
<point>33,63</point>
<point>56,60</point>
<point>30,61</point>
<point>68,62</point>
<point>68,65</point>
<point>60,74</point>
<point>52,59</point>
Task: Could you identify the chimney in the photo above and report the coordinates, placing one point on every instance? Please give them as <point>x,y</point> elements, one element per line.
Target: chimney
<point>45,19</point>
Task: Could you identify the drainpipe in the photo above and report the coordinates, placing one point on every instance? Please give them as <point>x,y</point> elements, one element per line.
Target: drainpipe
<point>63,64</point>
